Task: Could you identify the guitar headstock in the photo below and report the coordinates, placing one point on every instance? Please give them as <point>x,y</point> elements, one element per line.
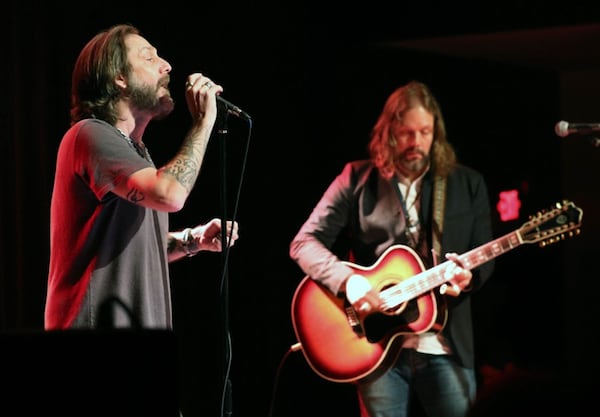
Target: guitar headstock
<point>553,225</point>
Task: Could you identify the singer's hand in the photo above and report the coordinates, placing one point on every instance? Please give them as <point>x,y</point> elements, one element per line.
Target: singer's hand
<point>200,94</point>
<point>208,236</point>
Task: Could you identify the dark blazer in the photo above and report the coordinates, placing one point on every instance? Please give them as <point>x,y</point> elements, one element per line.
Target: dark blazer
<point>360,215</point>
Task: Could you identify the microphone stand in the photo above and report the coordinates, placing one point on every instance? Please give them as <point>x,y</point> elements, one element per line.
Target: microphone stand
<point>227,394</point>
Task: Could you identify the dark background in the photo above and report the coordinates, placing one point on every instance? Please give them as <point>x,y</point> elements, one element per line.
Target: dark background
<point>314,81</point>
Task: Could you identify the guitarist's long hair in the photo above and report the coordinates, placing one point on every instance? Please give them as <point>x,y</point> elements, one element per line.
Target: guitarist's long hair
<point>383,143</point>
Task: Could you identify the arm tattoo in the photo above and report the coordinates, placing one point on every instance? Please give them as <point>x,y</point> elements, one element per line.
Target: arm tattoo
<point>185,166</point>
<point>184,170</point>
<point>135,196</point>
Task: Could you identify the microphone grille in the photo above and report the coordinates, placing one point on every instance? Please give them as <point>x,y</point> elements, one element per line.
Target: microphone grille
<point>562,128</point>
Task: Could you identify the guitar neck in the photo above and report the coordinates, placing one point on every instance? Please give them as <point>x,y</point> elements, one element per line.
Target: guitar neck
<point>490,250</point>
<point>432,278</point>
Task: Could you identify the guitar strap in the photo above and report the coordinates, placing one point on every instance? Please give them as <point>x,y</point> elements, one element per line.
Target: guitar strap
<point>439,200</point>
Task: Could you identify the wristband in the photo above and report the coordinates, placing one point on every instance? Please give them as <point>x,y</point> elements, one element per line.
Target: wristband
<point>188,243</point>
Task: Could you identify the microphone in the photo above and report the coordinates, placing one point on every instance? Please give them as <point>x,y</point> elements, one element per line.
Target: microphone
<point>232,108</point>
<point>564,129</point>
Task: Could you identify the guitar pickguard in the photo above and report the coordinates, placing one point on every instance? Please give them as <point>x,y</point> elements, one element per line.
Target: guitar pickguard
<point>380,326</point>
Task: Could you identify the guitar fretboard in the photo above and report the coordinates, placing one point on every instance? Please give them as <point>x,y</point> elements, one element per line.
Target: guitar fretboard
<point>432,278</point>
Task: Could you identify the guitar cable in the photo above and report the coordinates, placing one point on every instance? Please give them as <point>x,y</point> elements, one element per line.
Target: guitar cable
<point>293,348</point>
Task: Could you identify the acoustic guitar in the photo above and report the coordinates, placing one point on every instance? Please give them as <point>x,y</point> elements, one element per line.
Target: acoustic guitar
<point>342,346</point>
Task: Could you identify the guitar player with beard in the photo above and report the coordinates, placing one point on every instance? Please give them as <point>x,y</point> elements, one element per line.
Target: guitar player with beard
<point>393,252</point>
<point>409,200</point>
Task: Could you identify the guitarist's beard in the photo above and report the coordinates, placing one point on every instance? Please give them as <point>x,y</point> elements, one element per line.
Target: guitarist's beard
<point>412,167</point>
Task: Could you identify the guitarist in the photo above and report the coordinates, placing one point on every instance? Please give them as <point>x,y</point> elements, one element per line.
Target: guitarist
<point>389,200</point>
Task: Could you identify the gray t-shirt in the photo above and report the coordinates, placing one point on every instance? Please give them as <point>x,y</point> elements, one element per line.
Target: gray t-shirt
<point>108,256</point>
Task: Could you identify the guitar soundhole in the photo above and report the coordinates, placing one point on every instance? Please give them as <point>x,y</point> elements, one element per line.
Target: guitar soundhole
<point>398,319</point>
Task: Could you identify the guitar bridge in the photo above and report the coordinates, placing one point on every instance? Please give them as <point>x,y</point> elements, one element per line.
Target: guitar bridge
<point>354,321</point>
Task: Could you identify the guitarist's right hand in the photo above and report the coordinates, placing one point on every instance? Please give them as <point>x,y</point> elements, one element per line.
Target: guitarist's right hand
<point>361,294</point>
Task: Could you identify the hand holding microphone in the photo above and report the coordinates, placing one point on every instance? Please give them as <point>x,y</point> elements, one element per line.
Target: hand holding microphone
<point>197,83</point>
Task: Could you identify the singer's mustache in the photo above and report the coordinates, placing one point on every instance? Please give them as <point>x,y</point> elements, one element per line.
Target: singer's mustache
<point>164,81</point>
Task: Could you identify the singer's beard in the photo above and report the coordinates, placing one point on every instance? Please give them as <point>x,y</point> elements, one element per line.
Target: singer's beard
<point>146,98</point>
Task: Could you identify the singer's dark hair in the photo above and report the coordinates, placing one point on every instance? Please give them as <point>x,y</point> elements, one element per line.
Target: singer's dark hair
<point>383,143</point>
<point>94,93</point>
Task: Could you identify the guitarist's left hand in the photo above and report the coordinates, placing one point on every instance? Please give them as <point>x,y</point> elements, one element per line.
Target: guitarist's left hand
<point>458,277</point>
